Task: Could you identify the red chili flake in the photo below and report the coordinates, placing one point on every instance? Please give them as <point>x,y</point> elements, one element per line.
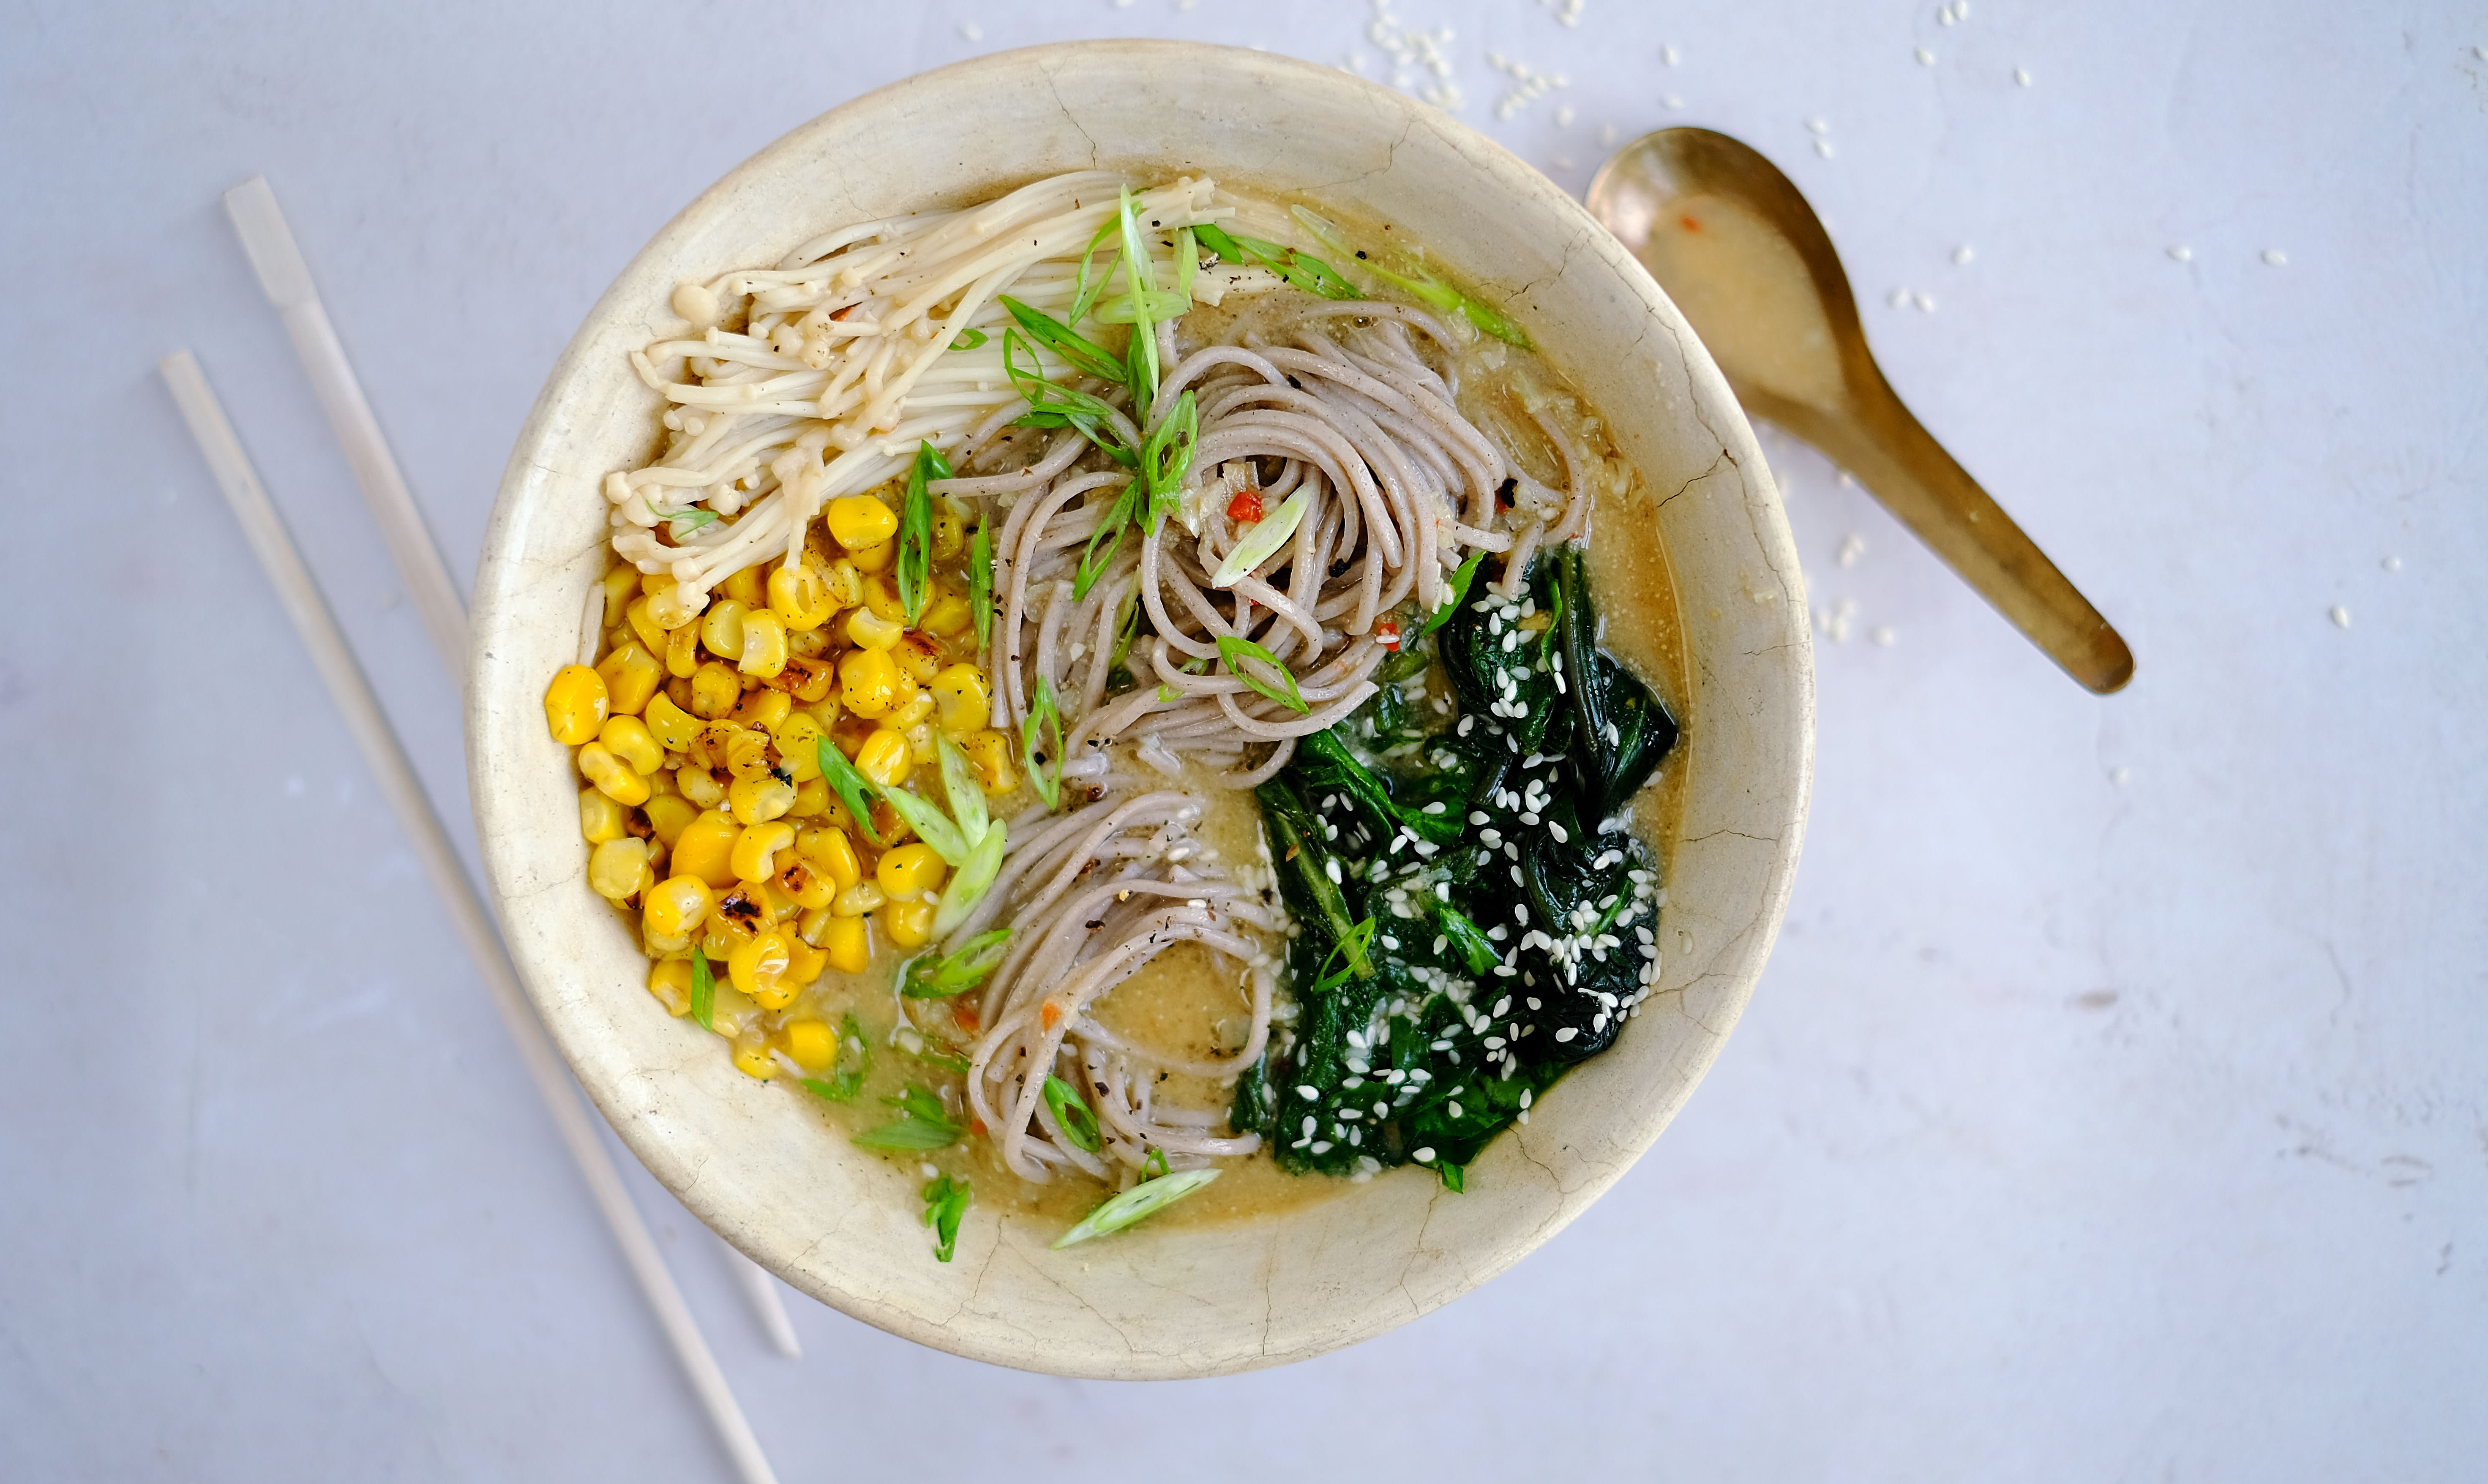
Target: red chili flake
<point>1245,509</point>
<point>1388,631</point>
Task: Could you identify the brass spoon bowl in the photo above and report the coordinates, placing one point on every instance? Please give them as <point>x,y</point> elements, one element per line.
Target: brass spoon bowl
<point>1749,264</point>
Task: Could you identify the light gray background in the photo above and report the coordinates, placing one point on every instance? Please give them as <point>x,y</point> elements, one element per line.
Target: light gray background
<point>2113,1105</point>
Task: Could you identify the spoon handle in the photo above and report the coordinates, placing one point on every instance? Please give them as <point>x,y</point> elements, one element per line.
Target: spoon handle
<point>1902,466</point>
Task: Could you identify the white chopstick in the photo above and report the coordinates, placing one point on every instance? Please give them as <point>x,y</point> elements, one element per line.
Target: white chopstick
<point>397,781</point>
<point>285,276</point>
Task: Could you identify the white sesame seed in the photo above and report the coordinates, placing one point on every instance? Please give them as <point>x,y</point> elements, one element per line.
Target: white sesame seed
<point>2182,253</point>
<point>2340,616</point>
<point>2275,258</point>
<point>2021,75</point>
<point>1926,58</point>
<point>1331,868</point>
<point>1565,1034</point>
<point>1426,1155</point>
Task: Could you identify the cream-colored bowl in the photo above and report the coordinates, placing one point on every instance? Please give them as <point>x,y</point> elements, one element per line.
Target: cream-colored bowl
<point>844,1225</point>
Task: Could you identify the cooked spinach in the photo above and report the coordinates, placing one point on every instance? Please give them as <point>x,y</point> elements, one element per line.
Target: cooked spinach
<point>1511,912</point>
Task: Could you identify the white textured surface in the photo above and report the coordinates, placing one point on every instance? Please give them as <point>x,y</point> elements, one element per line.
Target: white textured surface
<point>2081,1129</point>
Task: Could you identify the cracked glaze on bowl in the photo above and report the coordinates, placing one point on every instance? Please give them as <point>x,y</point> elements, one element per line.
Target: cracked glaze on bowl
<point>843,1225</point>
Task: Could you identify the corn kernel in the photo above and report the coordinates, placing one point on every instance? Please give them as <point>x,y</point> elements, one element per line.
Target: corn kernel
<point>921,744</point>
<point>989,752</point>
<point>804,961</point>
<point>856,901</point>
<point>676,906</point>
<point>832,854</point>
<point>683,651</point>
<point>869,684</point>
<point>631,676</point>
<point>576,705</point>
<point>699,785</point>
<point>600,818</point>
<point>947,615</point>
<point>759,802</point>
<point>722,630</point>
<point>705,850</point>
<point>800,597</point>
<point>812,1044</point>
<point>914,710</point>
<point>875,558</point>
<point>747,755</point>
<point>807,886</point>
<point>919,657</point>
<point>848,941</point>
<point>612,774</point>
<point>949,533</point>
<point>754,856</point>
<point>670,725</point>
<point>731,1012</point>
<point>764,645</point>
<point>811,796</point>
<point>764,709</point>
<point>720,935</point>
<point>651,635</point>
<point>670,980</point>
<point>752,1060</point>
<point>626,737</point>
<point>965,701</point>
<point>744,588</point>
<point>910,872</point>
<point>859,521</point>
<point>807,643</point>
<point>797,747</point>
<point>714,689</point>
<point>909,924</point>
<point>804,677</point>
<point>881,600</point>
<point>846,584</point>
<point>617,870</point>
<point>868,630</point>
<point>813,924</point>
<point>671,606</point>
<point>670,815</point>
<point>758,969</point>
<point>621,585</point>
<point>885,758</point>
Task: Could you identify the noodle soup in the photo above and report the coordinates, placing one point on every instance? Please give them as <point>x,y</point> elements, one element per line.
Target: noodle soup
<point>1104,694</point>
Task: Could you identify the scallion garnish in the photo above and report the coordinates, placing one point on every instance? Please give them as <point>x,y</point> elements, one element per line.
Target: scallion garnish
<point>1300,268</point>
<point>1263,540</point>
<point>1353,943</point>
<point>1235,651</point>
<point>1053,405</point>
<point>968,339</point>
<point>945,1201</point>
<point>960,785</point>
<point>1418,282</point>
<point>1166,457</point>
<point>923,1124</point>
<point>853,788</point>
<point>1141,279</point>
<point>1084,294</point>
<point>684,522</point>
<point>941,976</point>
<point>1108,537</point>
<point>846,1077</point>
<point>1045,778</point>
<point>1084,355</point>
<point>1460,593</point>
<point>1079,1124</point>
<point>916,532</point>
<point>980,580</point>
<point>973,879</point>
<point>1154,1165</point>
<point>1142,1201</point>
<point>703,993</point>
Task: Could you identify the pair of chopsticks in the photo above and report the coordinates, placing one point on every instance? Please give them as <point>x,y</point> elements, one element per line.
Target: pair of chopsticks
<point>287,280</point>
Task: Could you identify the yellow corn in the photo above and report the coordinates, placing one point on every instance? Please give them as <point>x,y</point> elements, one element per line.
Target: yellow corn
<point>670,725</point>
<point>875,558</point>
<point>675,908</point>
<point>832,854</point>
<point>670,980</point>
<point>621,585</point>
<point>670,815</point>
<point>764,645</point>
<point>618,778</point>
<point>706,849</point>
<point>651,635</point>
<point>683,651</point>
<point>813,924</point>
<point>670,606</point>
<point>921,743</point>
<point>631,676</point>
<point>800,597</point>
<point>744,588</point>
<point>949,533</point>
<point>626,737</point>
<point>758,969</point>
<point>881,600</point>
<point>918,656</point>
<point>811,796</point>
<point>721,629</point>
<point>699,785</point>
<point>885,758</point>
<point>910,872</point>
<point>806,679</point>
<point>600,818</point>
<point>868,630</point>
<point>799,753</point>
<point>846,584</point>
<point>947,614</point>
<point>752,1057</point>
<point>848,941</point>
<point>859,521</point>
<point>754,856</point>
<point>747,755</point>
<point>575,704</point>
<point>869,684</point>
<point>807,887</point>
<point>804,961</point>
<point>722,933</point>
<point>909,924</point>
<point>990,752</point>
<point>812,1043</point>
<point>912,711</point>
<point>617,870</point>
<point>714,689</point>
<point>764,709</point>
<point>856,901</point>
<point>965,701</point>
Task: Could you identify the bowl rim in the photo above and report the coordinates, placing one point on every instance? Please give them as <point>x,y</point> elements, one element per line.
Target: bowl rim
<point>498,596</point>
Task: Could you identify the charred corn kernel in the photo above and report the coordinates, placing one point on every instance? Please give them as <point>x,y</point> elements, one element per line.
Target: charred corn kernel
<point>651,635</point>
<point>913,711</point>
<point>966,703</point>
<point>989,752</point>
<point>764,645</point>
<point>670,980</point>
<point>747,755</point>
<point>832,854</point>
<point>921,744</point>
<point>618,778</point>
<point>617,871</point>
<point>715,689</point>
<point>705,850</point>
<point>868,630</point>
<point>881,600</point>
<point>621,585</point>
<point>868,685</point>
<point>859,521</point>
<point>759,969</point>
<point>708,748</point>
<point>875,558</point>
<point>800,597</point>
<point>626,737</point>
<point>758,800</point>
<point>744,588</point>
<point>668,815</point>
<point>804,961</point>
<point>683,651</point>
<point>632,674</point>
<point>799,754</point>
<point>947,615</point>
<point>848,942</point>
<point>720,935</point>
<point>949,533</point>
<point>885,758</point>
<point>721,629</point>
<point>909,871</point>
<point>764,709</point>
<point>803,679</point>
<point>699,785</point>
<point>856,901</point>
<point>807,886</point>
<point>600,818</point>
<point>811,796</point>
<point>576,705</point>
<point>812,1043</point>
<point>676,906</point>
<point>673,727</point>
<point>919,657</point>
<point>909,924</point>
<point>752,1057</point>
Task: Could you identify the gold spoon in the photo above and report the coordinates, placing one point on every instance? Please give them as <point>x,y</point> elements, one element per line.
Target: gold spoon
<point>1737,247</point>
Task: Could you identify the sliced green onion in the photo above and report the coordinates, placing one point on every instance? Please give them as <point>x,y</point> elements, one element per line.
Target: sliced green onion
<point>1085,356</point>
<point>853,788</point>
<point>1164,304</point>
<point>939,1054</point>
<point>1079,1124</point>
<point>1418,282</point>
<point>1052,405</point>
<point>1166,458</point>
<point>844,1081</point>
<point>930,824</point>
<point>960,785</point>
<point>1084,294</point>
<point>968,339</point>
<point>1142,1201</point>
<point>1460,593</point>
<point>923,1124</point>
<point>1108,538</point>
<point>1154,1165</point>
<point>980,579</point>
<point>916,532</point>
<point>1353,944</point>
<point>1301,269</point>
<point>686,522</point>
<point>1235,651</point>
<point>1126,630</point>
<point>1140,280</point>
<point>941,976</point>
<point>945,1201</point>
<point>1042,713</point>
<point>1263,541</point>
<point>703,993</point>
<point>1187,263</point>
<point>972,880</point>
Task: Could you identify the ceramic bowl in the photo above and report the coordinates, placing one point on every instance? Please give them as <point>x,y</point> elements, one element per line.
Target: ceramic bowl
<point>843,1225</point>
